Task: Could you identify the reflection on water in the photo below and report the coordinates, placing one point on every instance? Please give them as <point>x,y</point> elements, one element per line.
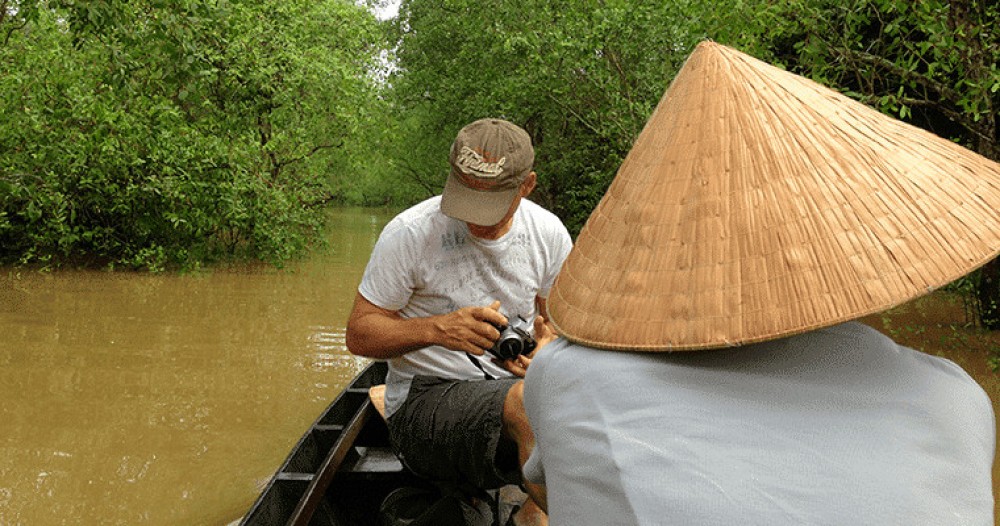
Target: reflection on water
<point>168,399</point>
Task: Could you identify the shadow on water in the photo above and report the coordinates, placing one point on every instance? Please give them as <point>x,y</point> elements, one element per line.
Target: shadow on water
<point>133,398</point>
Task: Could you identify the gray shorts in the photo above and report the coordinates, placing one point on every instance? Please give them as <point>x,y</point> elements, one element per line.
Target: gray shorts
<point>449,431</point>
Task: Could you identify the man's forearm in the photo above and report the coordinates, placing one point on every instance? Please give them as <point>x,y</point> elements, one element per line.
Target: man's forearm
<point>388,336</point>
<point>380,333</point>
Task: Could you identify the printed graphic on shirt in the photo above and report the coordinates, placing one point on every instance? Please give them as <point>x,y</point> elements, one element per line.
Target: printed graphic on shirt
<point>452,240</point>
<point>481,279</point>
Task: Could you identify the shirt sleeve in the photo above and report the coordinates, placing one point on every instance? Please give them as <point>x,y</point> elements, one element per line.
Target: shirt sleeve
<point>388,281</point>
<point>532,470</point>
<point>561,244</point>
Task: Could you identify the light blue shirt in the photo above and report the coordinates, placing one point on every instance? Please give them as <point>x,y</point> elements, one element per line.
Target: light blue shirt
<point>839,426</point>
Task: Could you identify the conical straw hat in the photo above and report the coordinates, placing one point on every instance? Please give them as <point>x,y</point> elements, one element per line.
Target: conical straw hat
<point>757,204</point>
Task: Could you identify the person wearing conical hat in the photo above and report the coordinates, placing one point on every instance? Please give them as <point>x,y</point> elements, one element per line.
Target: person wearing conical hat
<point>443,277</point>
<point>708,370</point>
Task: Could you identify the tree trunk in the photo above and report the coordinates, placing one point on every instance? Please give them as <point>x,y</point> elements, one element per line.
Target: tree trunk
<point>988,295</point>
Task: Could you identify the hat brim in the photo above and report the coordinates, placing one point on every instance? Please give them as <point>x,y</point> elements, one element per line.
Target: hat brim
<point>484,208</point>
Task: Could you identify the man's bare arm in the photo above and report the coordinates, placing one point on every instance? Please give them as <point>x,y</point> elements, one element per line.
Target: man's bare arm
<point>380,333</point>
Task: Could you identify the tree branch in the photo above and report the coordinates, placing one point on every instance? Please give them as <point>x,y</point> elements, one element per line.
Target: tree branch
<point>282,164</point>
<point>415,175</point>
<point>950,95</point>
<point>874,60</point>
<point>12,29</point>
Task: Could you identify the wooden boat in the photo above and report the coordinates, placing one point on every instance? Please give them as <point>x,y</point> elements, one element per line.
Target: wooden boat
<point>342,468</point>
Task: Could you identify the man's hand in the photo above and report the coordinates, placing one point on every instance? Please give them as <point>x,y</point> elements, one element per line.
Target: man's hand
<point>544,333</point>
<point>518,366</point>
<point>470,329</point>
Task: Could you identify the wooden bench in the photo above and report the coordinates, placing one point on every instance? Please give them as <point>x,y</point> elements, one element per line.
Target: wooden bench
<point>377,395</point>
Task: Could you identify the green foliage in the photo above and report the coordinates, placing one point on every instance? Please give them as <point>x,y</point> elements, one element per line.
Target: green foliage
<point>170,133</point>
<point>933,62</point>
<point>157,133</point>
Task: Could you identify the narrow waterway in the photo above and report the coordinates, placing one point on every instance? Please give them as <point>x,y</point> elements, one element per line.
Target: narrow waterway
<point>168,399</point>
<point>165,399</point>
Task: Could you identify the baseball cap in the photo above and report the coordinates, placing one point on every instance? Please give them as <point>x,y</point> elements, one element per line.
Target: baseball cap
<point>489,159</point>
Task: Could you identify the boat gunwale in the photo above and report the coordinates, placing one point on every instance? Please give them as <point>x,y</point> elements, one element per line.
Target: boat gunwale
<point>361,411</point>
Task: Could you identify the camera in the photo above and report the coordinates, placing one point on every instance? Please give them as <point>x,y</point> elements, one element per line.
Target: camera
<point>514,340</point>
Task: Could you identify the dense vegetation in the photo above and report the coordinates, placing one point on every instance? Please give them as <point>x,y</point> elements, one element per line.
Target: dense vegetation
<point>151,133</point>
<point>157,133</point>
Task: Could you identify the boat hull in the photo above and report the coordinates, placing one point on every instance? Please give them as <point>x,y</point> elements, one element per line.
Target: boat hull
<point>341,469</point>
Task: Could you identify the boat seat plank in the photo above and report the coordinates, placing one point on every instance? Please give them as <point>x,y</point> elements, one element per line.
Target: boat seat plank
<point>321,481</point>
<point>328,427</point>
<point>377,395</point>
<point>375,460</point>
<point>294,475</point>
<point>310,489</point>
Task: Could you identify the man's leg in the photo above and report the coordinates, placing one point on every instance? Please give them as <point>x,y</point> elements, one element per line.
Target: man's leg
<point>452,431</point>
<point>517,428</point>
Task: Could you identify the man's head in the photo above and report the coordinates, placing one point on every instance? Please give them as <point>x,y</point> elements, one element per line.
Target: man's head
<point>491,160</point>
<point>757,204</point>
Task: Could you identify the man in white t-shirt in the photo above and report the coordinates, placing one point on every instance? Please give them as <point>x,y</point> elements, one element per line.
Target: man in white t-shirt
<point>443,278</point>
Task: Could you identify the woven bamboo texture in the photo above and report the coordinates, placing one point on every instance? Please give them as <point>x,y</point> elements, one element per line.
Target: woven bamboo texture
<point>757,204</point>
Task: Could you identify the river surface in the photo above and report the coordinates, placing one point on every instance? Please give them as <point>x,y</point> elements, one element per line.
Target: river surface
<point>167,399</point>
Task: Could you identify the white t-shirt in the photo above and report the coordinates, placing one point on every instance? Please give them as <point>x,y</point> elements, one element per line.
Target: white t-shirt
<point>426,263</point>
<point>839,426</point>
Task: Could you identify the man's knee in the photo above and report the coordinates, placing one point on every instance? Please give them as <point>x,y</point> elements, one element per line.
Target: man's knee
<point>515,420</point>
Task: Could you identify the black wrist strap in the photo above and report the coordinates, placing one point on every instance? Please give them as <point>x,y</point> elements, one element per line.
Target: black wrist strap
<point>479,366</point>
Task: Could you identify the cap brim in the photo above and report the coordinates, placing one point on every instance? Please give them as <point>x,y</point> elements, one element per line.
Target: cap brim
<point>485,208</point>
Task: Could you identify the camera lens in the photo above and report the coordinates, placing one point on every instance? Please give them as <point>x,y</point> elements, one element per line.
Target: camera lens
<point>509,348</point>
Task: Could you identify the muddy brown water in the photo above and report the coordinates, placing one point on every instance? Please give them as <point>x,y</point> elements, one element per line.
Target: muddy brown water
<point>168,399</point>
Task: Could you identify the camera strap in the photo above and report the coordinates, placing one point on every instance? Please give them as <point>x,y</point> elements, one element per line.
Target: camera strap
<point>479,366</point>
